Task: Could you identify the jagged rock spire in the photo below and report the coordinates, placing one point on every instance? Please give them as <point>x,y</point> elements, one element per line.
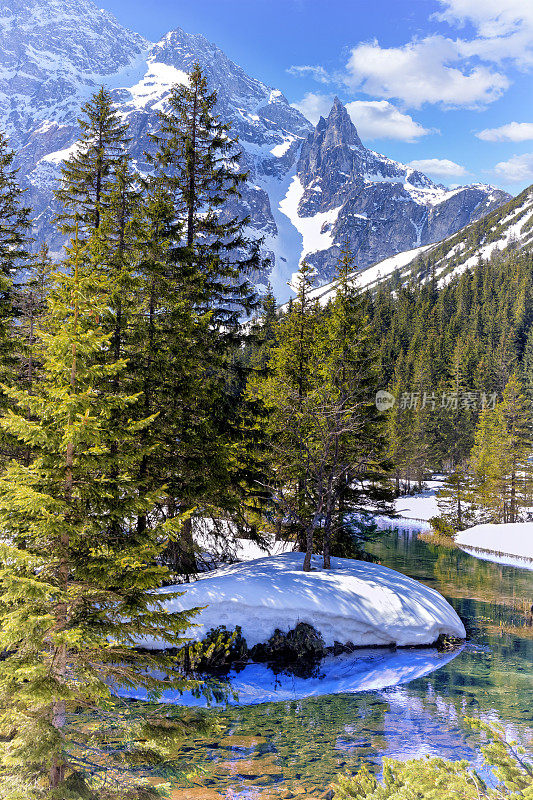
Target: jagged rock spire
<point>339,126</point>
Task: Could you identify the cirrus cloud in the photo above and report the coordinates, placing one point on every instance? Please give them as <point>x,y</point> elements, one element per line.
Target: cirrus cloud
<point>442,167</point>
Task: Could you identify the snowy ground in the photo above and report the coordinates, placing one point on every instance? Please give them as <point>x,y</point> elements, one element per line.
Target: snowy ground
<point>355,601</point>
<point>421,506</point>
<point>414,510</point>
<point>364,670</point>
<point>500,543</point>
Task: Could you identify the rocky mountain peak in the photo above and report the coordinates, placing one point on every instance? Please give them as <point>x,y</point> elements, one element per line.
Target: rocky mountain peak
<point>340,129</point>
<point>308,189</point>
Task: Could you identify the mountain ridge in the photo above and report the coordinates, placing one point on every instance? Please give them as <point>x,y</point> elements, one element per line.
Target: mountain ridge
<point>309,188</point>
<point>507,228</point>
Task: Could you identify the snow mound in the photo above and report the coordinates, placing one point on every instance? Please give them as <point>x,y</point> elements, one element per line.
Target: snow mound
<point>355,601</point>
<point>512,539</point>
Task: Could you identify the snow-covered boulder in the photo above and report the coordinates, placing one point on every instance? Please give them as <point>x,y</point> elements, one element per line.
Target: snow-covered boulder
<point>355,601</point>
<point>511,539</point>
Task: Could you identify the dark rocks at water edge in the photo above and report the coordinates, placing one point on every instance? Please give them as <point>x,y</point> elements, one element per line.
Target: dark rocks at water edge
<point>298,651</point>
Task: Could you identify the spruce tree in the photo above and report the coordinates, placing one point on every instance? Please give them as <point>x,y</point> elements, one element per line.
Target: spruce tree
<point>346,374</point>
<point>90,168</point>
<point>31,304</point>
<point>197,162</point>
<point>76,581</point>
<point>500,456</point>
<point>197,263</point>
<point>324,436</point>
<point>14,255</point>
<point>517,424</point>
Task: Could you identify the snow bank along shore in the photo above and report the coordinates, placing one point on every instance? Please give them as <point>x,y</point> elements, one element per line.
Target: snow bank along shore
<point>355,602</point>
<point>510,539</point>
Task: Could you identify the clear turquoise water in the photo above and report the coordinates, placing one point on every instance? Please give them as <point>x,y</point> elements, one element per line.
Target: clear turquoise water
<point>295,748</point>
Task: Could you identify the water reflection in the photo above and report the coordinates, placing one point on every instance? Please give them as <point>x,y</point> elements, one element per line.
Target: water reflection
<point>364,670</point>
<point>272,750</point>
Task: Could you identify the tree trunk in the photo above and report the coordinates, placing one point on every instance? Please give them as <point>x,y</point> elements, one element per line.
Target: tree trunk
<point>327,541</point>
<point>186,561</point>
<point>308,548</point>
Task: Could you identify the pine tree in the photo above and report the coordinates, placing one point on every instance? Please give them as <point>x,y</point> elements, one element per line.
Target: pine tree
<point>284,390</point>
<point>486,465</point>
<point>90,168</point>
<point>455,500</point>
<point>14,228</point>
<point>197,162</point>
<point>198,256</point>
<point>516,422</point>
<point>325,440</point>
<point>346,374</point>
<point>14,255</point>
<point>76,582</point>
<point>500,456</point>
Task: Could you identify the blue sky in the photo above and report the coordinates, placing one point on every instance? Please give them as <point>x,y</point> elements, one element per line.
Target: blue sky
<point>444,84</point>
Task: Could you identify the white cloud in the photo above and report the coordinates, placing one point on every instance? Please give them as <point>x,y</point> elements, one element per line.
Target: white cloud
<point>519,169</point>
<point>442,167</point>
<point>423,71</point>
<point>512,132</point>
<point>491,17</point>
<point>455,72</point>
<point>504,28</point>
<point>379,119</point>
<point>317,72</point>
<point>313,106</point>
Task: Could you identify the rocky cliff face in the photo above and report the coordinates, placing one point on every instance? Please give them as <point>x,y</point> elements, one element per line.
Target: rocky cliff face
<point>309,189</point>
<point>378,206</point>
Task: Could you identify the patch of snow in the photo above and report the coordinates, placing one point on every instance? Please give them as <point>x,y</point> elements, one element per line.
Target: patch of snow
<point>430,195</point>
<point>421,506</point>
<point>512,539</point>
<point>316,231</point>
<point>401,524</point>
<point>279,150</point>
<point>60,155</point>
<point>503,560</point>
<point>155,84</point>
<point>372,275</point>
<point>355,601</point>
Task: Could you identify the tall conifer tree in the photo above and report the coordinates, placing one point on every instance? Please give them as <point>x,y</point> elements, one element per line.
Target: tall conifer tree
<point>76,581</point>
<point>90,168</point>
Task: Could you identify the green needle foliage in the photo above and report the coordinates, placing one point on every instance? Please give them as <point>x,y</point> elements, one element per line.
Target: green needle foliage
<point>439,779</point>
<point>76,579</point>
<point>90,168</point>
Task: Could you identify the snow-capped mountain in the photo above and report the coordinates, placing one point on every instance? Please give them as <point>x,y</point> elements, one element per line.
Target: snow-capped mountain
<point>509,227</point>
<point>309,190</point>
<point>343,192</point>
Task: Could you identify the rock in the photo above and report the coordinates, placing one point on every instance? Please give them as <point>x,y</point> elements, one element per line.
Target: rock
<point>378,206</point>
<point>54,53</point>
<point>300,650</point>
